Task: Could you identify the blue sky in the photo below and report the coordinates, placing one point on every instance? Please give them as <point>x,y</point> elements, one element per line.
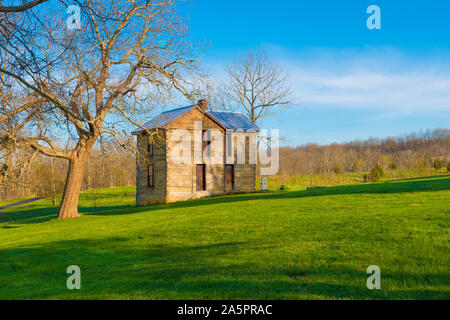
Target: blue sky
<point>349,82</point>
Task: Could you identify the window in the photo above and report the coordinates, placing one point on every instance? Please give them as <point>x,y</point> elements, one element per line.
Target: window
<point>151,176</point>
<point>229,144</point>
<point>150,151</point>
<point>201,177</point>
<point>229,176</point>
<point>205,144</point>
<point>150,167</point>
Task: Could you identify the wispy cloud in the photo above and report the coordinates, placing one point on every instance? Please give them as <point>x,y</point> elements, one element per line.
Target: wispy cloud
<point>348,94</point>
<point>386,80</point>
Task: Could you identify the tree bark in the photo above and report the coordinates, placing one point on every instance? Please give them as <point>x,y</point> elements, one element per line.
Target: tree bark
<point>72,188</point>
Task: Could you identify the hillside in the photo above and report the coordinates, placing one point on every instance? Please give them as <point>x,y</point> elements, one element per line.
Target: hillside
<point>290,245</point>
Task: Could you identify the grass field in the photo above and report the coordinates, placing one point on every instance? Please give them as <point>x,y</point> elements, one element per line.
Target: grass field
<point>307,244</point>
<point>303,181</point>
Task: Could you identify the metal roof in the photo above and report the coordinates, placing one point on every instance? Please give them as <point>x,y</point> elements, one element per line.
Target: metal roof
<point>234,120</point>
<point>164,118</point>
<point>230,120</point>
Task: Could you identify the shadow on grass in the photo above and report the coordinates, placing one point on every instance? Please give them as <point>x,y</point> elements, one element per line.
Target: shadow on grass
<point>28,216</point>
<point>121,268</point>
<point>433,183</point>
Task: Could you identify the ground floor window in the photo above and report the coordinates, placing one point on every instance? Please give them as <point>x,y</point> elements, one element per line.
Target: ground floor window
<point>229,176</point>
<point>201,177</point>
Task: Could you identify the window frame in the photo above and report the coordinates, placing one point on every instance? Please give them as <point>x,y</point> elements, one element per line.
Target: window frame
<point>150,151</point>
<point>203,176</point>
<point>150,175</point>
<point>232,175</point>
<point>206,143</point>
<point>150,167</point>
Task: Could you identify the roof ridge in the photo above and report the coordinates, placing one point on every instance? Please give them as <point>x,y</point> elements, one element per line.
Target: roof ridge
<point>227,111</point>
<point>176,109</point>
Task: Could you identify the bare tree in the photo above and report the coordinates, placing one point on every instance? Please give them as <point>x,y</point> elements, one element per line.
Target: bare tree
<point>414,151</point>
<point>20,8</point>
<point>99,79</point>
<point>256,85</point>
<point>17,109</point>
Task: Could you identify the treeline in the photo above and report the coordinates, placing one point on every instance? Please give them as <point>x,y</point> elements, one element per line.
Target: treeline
<point>36,175</point>
<point>414,151</point>
<point>110,165</point>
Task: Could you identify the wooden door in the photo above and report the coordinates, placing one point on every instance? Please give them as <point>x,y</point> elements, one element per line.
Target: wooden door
<point>229,176</point>
<point>201,177</point>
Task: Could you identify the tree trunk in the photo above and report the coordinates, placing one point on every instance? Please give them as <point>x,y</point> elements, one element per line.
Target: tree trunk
<point>69,201</point>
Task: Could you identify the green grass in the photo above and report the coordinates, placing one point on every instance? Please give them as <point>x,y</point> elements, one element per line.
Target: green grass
<point>313,244</point>
<point>303,181</point>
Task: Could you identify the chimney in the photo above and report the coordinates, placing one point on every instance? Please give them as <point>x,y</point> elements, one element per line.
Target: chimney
<point>203,104</point>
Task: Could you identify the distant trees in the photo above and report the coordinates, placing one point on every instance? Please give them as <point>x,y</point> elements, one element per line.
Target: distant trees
<point>393,165</point>
<point>109,165</point>
<point>414,151</point>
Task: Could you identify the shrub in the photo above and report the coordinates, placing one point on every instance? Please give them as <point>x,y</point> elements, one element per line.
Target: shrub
<point>428,160</point>
<point>365,177</point>
<point>448,167</point>
<point>357,165</point>
<point>376,173</point>
<point>284,188</point>
<point>437,164</point>
<point>393,165</point>
<point>337,170</point>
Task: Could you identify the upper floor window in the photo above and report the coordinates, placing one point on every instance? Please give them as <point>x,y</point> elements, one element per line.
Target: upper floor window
<point>206,136</point>
<point>150,151</point>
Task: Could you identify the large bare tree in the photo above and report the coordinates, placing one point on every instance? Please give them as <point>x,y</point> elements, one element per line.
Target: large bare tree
<point>97,79</point>
<point>256,84</point>
<point>25,5</point>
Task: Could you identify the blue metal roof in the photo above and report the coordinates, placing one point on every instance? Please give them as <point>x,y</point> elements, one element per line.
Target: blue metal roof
<point>234,120</point>
<point>164,118</point>
<point>230,120</point>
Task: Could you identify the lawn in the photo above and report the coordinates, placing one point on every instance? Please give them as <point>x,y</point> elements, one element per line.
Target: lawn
<point>303,181</point>
<point>308,244</point>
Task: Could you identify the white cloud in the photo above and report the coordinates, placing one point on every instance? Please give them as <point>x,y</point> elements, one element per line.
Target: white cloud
<point>391,82</point>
